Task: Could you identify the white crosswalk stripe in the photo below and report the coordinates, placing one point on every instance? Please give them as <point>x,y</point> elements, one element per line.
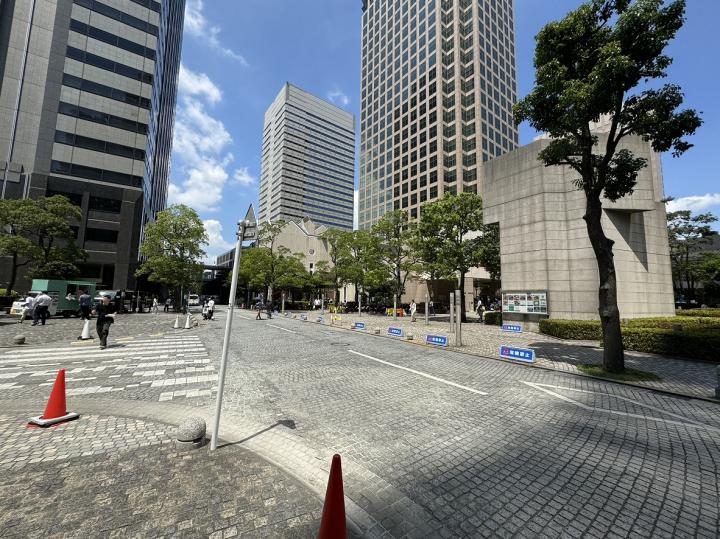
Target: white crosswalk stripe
<point>147,365</point>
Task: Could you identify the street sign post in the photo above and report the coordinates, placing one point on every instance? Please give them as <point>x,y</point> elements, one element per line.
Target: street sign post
<point>247,230</point>
<point>518,354</point>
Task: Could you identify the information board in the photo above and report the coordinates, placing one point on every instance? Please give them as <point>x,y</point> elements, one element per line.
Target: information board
<point>518,354</point>
<point>359,325</point>
<point>525,302</point>
<point>437,340</point>
<point>396,332</point>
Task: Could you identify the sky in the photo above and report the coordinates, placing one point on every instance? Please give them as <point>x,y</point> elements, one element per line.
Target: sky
<point>237,54</point>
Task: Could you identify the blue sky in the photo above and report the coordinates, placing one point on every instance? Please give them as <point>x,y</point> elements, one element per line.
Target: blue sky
<point>237,54</point>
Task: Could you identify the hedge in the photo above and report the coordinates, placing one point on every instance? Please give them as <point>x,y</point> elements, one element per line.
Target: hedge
<point>493,318</point>
<point>668,322</point>
<point>694,344</point>
<point>582,330</point>
<point>708,313</point>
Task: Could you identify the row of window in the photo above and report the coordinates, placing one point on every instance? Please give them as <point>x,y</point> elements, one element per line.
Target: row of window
<point>91,173</point>
<point>106,205</point>
<point>102,118</point>
<point>105,91</point>
<point>104,63</point>
<point>116,14</point>
<point>97,145</point>
<point>111,39</point>
<point>150,4</point>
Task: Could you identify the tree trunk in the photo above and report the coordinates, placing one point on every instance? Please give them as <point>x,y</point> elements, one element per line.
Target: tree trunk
<point>13,274</point>
<point>613,355</point>
<point>463,316</point>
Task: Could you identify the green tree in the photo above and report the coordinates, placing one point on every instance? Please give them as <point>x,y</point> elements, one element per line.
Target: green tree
<point>267,237</point>
<point>261,268</point>
<point>173,249</point>
<point>360,263</point>
<point>587,67</point>
<point>687,234</point>
<point>335,241</point>
<point>15,218</point>
<point>452,236</point>
<point>396,254</point>
<point>709,274</point>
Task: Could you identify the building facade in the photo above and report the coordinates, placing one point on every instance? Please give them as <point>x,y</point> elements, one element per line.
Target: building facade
<point>308,161</point>
<point>87,100</point>
<point>438,85</point>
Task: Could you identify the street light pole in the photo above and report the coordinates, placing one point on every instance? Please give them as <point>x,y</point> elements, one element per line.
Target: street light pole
<point>226,338</point>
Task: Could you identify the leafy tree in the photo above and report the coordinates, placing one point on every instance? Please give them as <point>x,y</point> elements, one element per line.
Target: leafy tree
<point>173,248</point>
<point>587,65</point>
<point>395,233</point>
<point>360,262</point>
<point>321,278</point>
<point>15,218</point>
<point>453,236</point>
<point>687,234</point>
<point>267,237</point>
<point>335,241</point>
<point>709,274</point>
<point>262,269</point>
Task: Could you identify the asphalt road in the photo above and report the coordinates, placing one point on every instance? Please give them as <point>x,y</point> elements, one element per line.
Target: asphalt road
<point>437,443</point>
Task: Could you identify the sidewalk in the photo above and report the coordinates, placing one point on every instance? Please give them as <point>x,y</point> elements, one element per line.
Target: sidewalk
<point>682,377</point>
<point>107,476</point>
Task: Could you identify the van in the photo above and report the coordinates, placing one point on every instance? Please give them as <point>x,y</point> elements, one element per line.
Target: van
<point>193,300</point>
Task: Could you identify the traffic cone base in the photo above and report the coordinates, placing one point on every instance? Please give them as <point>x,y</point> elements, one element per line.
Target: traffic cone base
<point>40,422</point>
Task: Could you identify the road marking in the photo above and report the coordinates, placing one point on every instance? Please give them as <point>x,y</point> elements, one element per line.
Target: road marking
<point>686,422</point>
<point>283,329</point>
<point>424,375</point>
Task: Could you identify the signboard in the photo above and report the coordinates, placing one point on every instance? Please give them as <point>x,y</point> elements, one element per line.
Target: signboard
<point>359,325</point>
<point>396,332</point>
<point>303,317</point>
<point>320,320</point>
<point>250,229</point>
<point>512,328</point>
<point>437,340</point>
<point>518,354</point>
<point>525,302</point>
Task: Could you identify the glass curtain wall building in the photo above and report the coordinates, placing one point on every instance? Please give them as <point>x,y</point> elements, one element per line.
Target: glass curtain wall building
<point>438,85</point>
<point>308,161</point>
<point>87,99</point>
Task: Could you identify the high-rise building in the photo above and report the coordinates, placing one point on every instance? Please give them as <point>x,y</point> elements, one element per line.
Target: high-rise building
<point>308,161</point>
<point>438,85</point>
<point>87,99</point>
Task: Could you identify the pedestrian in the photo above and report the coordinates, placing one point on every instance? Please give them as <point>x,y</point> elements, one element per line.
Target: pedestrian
<point>42,307</point>
<point>168,302</point>
<point>85,302</point>
<point>105,312</point>
<point>269,309</point>
<point>432,309</point>
<point>155,306</point>
<point>211,308</point>
<point>413,310</point>
<point>258,306</point>
<point>28,308</point>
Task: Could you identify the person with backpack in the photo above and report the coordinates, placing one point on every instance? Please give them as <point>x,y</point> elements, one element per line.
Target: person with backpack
<point>85,302</point>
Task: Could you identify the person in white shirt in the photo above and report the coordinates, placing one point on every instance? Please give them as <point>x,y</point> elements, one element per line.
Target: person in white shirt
<point>211,309</point>
<point>42,307</point>
<point>413,309</point>
<point>28,307</point>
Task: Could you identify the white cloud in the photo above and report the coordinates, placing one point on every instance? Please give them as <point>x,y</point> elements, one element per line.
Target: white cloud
<point>338,97</point>
<point>243,177</point>
<point>198,84</point>
<point>356,209</point>
<point>217,244</point>
<point>197,25</point>
<point>694,203</point>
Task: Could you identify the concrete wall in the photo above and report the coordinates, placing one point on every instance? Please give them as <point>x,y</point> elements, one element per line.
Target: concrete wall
<point>544,243</point>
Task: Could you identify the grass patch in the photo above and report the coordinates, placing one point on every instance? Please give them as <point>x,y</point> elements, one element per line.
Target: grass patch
<point>630,375</point>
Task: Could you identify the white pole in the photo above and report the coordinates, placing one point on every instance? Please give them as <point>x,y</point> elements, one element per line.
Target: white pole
<point>283,303</point>
<point>359,303</point>
<point>427,308</point>
<point>226,338</point>
<point>452,310</point>
<point>459,306</point>
<point>394,305</point>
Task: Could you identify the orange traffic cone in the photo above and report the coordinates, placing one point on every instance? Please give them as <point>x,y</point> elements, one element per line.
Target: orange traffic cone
<point>55,411</point>
<point>333,524</point>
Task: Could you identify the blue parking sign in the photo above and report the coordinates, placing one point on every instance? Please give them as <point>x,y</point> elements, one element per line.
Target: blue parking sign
<point>518,354</point>
<point>359,325</point>
<point>395,332</point>
<point>437,340</point>
<point>512,328</point>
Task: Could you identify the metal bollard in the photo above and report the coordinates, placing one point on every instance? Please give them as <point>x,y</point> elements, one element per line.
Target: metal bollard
<point>459,306</point>
<point>452,311</point>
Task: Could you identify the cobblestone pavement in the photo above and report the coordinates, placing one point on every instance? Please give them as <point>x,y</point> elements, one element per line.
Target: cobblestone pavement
<point>114,477</point>
<point>684,377</point>
<point>441,444</point>
<point>66,330</point>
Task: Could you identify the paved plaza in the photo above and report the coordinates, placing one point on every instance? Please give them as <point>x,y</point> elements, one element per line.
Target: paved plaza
<point>435,443</point>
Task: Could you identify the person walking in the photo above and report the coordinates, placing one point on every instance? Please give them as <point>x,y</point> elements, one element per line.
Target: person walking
<point>42,308</point>
<point>168,302</point>
<point>105,312</point>
<point>211,308</point>
<point>413,310</point>
<point>258,306</point>
<point>155,305</point>
<point>28,308</point>
<point>269,308</point>
<point>85,302</point>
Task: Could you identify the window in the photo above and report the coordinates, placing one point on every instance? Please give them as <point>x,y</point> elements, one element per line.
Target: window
<point>74,198</point>
<point>101,235</point>
<point>107,205</point>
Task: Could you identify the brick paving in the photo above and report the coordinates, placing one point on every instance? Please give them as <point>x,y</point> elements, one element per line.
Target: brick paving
<point>126,485</point>
<point>684,377</point>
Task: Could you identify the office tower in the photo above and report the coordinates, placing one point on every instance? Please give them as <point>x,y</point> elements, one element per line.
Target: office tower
<point>87,100</point>
<point>438,86</point>
<point>308,161</point>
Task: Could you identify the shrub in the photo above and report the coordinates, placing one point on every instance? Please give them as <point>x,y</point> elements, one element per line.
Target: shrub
<point>686,322</point>
<point>13,294</point>
<point>586,330</point>
<point>707,313</point>
<point>493,318</point>
<point>694,343</point>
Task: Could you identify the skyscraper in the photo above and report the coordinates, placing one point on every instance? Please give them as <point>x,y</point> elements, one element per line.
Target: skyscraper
<point>308,161</point>
<point>438,85</point>
<point>87,101</point>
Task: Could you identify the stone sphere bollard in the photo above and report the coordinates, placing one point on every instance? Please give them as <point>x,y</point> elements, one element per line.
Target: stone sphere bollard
<point>191,432</point>
<point>409,337</point>
<point>19,339</point>
<point>377,331</point>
